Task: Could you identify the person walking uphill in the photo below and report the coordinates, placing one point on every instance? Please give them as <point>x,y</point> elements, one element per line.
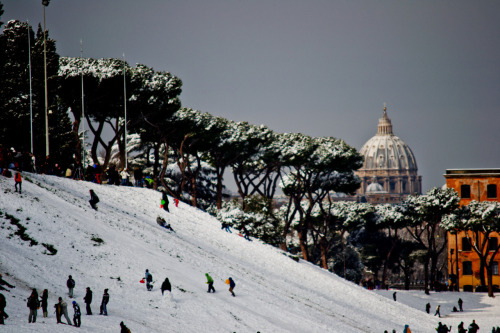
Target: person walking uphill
<point>231,286</point>
<point>438,311</point>
<point>104,303</point>
<point>19,181</point>
<point>33,304</point>
<point>70,284</point>
<point>166,286</point>
<point>210,283</point>
<point>164,201</point>
<point>88,301</point>
<point>149,280</point>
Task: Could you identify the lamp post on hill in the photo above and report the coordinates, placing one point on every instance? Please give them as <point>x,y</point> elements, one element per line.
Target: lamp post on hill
<point>45,3</point>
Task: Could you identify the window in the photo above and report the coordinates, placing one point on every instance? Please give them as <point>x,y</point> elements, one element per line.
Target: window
<point>492,243</point>
<point>466,245</point>
<point>494,268</point>
<point>491,190</point>
<point>467,268</point>
<point>465,191</point>
<point>392,186</point>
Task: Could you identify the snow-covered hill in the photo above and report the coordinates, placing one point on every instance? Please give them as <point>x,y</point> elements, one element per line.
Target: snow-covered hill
<point>111,248</point>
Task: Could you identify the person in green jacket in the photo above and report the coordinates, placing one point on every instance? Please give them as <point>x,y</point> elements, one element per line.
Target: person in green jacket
<point>210,283</point>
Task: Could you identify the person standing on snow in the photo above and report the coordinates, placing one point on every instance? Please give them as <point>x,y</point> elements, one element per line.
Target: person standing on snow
<point>461,328</point>
<point>70,284</point>
<point>394,295</point>
<point>104,303</point>
<point>460,303</point>
<point>88,301</point>
<point>210,283</point>
<point>149,280</point>
<point>77,314</point>
<point>123,328</point>
<point>473,327</point>
<point>407,329</point>
<point>33,304</point>
<point>166,286</point>
<point>19,181</point>
<point>231,286</point>
<point>45,298</point>
<point>428,307</point>
<point>124,175</point>
<point>164,201</point>
<point>3,304</point>
<point>64,310</point>
<point>438,311</point>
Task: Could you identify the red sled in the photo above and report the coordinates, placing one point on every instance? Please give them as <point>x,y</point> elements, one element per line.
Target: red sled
<point>142,281</point>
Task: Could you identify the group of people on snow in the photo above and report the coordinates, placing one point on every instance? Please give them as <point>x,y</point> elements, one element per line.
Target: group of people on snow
<point>34,302</point>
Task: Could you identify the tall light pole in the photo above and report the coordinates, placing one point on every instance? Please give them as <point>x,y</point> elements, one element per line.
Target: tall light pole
<point>125,106</point>
<point>31,94</point>
<point>83,110</point>
<point>45,3</point>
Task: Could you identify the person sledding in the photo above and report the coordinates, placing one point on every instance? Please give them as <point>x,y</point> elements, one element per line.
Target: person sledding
<point>94,199</point>
<point>162,223</point>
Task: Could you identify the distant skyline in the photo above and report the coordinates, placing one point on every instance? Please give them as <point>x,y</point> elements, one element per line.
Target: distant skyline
<point>322,68</point>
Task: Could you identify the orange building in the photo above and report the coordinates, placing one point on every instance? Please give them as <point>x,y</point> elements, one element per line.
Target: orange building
<point>478,185</point>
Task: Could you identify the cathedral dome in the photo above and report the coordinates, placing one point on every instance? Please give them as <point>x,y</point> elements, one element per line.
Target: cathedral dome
<point>387,151</point>
<point>389,165</point>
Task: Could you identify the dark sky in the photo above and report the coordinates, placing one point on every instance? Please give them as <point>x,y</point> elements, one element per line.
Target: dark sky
<point>319,67</point>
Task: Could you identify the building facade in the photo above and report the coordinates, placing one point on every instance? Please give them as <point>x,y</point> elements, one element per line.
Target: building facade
<point>389,172</point>
<point>478,185</point>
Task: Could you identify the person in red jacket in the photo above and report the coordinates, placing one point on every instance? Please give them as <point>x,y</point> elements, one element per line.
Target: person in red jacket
<point>18,180</point>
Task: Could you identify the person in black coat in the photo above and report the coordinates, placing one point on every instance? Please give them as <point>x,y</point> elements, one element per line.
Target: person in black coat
<point>70,284</point>
<point>88,301</point>
<point>94,199</point>
<point>33,304</point>
<point>45,297</point>
<point>166,286</point>
<point>104,303</point>
<point>3,304</point>
<point>164,201</point>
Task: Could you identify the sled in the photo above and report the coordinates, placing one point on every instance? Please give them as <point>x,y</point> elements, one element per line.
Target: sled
<point>227,281</point>
<point>142,281</point>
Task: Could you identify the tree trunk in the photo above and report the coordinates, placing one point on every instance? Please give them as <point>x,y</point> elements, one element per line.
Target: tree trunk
<point>426,275</point>
<point>323,247</point>
<point>220,175</point>
<point>303,243</point>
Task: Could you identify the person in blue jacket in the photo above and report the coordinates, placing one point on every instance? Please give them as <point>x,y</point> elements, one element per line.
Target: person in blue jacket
<point>231,286</point>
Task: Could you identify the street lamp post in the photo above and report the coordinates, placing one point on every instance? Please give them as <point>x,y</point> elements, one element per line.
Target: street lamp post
<point>45,3</point>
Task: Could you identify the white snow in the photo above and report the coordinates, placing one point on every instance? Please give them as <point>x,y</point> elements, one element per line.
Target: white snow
<point>273,292</point>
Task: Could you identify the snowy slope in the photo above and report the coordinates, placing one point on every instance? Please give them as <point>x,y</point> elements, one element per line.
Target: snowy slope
<point>273,292</point>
